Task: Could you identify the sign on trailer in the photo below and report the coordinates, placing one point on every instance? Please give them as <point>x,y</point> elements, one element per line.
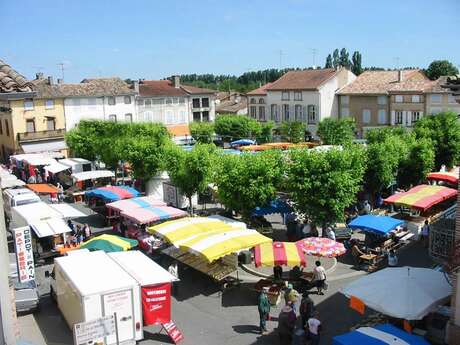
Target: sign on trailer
<point>24,254</point>
<point>89,332</point>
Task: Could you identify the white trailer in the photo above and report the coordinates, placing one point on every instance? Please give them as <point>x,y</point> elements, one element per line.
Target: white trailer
<point>92,285</point>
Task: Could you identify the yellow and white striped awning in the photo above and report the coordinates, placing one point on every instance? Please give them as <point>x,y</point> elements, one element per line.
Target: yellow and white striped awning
<point>210,238</point>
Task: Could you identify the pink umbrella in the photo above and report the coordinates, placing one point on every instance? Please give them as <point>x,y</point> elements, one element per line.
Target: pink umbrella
<point>320,246</point>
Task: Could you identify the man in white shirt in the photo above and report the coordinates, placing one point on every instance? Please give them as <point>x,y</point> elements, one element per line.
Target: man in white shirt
<point>319,276</point>
<point>330,233</point>
<point>314,328</point>
<point>392,259</point>
<point>425,235</point>
<point>173,269</point>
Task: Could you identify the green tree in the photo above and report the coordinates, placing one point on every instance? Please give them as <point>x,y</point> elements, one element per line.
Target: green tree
<point>202,132</point>
<point>336,131</point>
<point>381,134</point>
<point>440,68</point>
<point>417,164</point>
<point>328,62</point>
<point>323,184</point>
<point>266,133</point>
<point>443,130</point>
<point>247,181</point>
<point>335,58</point>
<point>293,132</point>
<point>344,59</point>
<point>356,67</point>
<point>234,127</point>
<point>191,171</point>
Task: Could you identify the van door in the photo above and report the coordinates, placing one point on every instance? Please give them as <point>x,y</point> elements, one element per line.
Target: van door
<point>120,302</point>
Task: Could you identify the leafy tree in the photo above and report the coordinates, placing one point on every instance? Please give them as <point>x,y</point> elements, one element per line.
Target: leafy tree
<point>234,127</point>
<point>190,171</point>
<point>202,132</point>
<point>440,68</point>
<point>344,59</point>
<point>323,184</point>
<point>293,132</point>
<point>336,131</point>
<point>335,58</point>
<point>417,164</point>
<point>266,133</point>
<point>381,134</point>
<point>328,62</point>
<point>356,67</point>
<point>443,130</point>
<point>247,181</point>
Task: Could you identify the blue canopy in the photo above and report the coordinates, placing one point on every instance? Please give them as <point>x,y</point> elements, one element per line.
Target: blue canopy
<point>113,193</point>
<point>380,225</point>
<point>242,142</point>
<point>276,206</point>
<point>378,335</point>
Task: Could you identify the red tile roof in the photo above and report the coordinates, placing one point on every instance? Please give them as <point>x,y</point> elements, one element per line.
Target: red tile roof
<point>260,91</point>
<point>196,90</point>
<point>310,79</point>
<point>166,88</point>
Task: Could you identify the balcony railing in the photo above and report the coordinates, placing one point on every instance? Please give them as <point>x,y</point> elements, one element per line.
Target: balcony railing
<point>41,135</point>
<point>442,236</point>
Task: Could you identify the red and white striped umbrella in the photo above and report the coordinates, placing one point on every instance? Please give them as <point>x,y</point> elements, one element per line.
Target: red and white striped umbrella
<point>321,246</point>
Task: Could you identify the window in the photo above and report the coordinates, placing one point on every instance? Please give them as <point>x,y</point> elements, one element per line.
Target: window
<point>435,98</point>
<point>285,96</point>
<point>129,117</point>
<point>206,116</point>
<point>253,101</point>
<point>262,113</point>
<point>435,111</point>
<point>205,102</point>
<point>7,128</point>
<point>169,101</point>
<point>50,124</point>
<point>398,118</point>
<point>197,116</point>
<point>76,102</point>
<point>111,100</point>
<point>28,104</point>
<point>344,100</point>
<point>92,102</point>
<point>140,102</point>
<point>311,114</point>
<point>127,99</point>
<point>286,112</point>
<point>175,100</point>
<point>382,116</point>
<point>345,112</point>
<point>181,100</point>
<point>399,98</point>
<point>297,95</point>
<point>148,103</point>
<point>274,112</point>
<point>158,101</point>
<point>113,118</point>
<point>451,98</point>
<point>261,101</point>
<point>49,104</point>
<point>30,126</point>
<point>253,111</point>
<point>169,116</point>
<point>1,128</point>
<point>196,103</point>
<point>415,98</point>
<point>298,112</point>
<point>415,116</point>
<point>366,116</point>
<point>382,100</point>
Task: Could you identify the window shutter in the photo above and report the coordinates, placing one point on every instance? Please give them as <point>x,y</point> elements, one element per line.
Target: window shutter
<point>304,114</point>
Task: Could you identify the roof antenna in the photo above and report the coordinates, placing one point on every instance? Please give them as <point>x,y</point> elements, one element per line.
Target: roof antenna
<point>313,52</point>
<point>62,65</point>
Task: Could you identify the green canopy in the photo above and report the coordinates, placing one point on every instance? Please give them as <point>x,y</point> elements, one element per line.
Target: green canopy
<point>109,243</point>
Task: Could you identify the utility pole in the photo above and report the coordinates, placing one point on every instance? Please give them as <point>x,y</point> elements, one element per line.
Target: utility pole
<point>313,53</point>
<point>6,308</point>
<point>281,59</point>
<point>62,65</point>
<point>396,58</point>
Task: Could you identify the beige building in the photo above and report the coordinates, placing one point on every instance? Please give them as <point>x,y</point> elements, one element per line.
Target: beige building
<point>440,99</point>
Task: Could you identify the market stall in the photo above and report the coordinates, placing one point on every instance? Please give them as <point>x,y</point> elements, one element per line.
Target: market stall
<point>84,180</point>
<point>97,198</point>
<point>30,167</point>
<point>448,177</point>
<point>8,180</point>
<point>109,243</point>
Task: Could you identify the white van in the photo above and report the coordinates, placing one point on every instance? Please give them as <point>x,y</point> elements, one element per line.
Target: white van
<point>17,197</point>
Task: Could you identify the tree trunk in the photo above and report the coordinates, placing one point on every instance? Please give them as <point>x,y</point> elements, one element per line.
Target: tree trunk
<point>190,205</point>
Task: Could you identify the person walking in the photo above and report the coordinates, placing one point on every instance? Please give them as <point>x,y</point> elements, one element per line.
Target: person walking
<point>392,259</point>
<point>319,276</point>
<point>286,324</point>
<point>86,231</point>
<point>425,235</point>
<point>314,328</point>
<point>264,310</point>
<point>173,269</point>
<point>306,309</point>
<point>330,233</point>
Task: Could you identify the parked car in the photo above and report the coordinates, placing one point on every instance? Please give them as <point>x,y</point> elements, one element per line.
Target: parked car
<point>17,197</point>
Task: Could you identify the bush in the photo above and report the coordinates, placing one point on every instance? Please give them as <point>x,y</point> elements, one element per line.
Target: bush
<point>234,127</point>
<point>202,132</point>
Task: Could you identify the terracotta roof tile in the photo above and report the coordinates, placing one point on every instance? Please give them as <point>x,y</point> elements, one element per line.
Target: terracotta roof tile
<point>232,106</point>
<point>310,79</point>
<point>260,91</point>
<point>165,88</point>
<point>196,90</point>
<point>12,81</point>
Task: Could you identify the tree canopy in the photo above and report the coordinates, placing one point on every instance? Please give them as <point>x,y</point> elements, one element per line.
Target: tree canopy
<point>234,127</point>
<point>202,132</point>
<point>440,68</point>
<point>336,131</point>
<point>294,131</point>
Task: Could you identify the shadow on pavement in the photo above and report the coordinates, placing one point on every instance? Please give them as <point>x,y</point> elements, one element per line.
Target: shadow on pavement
<point>193,283</point>
<point>240,296</point>
<point>244,329</point>
<point>52,325</point>
<point>163,338</point>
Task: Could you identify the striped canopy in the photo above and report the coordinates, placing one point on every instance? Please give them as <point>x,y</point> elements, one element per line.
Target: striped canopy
<point>129,204</point>
<point>450,177</point>
<point>151,214</point>
<point>321,246</point>
<point>422,197</point>
<point>113,193</point>
<point>210,238</point>
<point>279,254</point>
<point>109,243</point>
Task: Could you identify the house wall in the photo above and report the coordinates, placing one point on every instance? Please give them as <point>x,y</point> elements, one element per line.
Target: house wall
<point>7,142</point>
<point>211,109</point>
<point>178,112</point>
<point>446,104</point>
<point>407,107</point>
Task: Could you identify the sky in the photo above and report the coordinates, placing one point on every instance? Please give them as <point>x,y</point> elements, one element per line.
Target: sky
<point>154,39</point>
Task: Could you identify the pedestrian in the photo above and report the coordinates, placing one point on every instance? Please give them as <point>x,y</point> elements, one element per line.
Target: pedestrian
<point>86,232</point>
<point>330,233</point>
<point>277,273</point>
<point>306,229</point>
<point>392,259</point>
<point>425,235</point>
<point>306,309</point>
<point>286,323</point>
<point>173,269</point>
<point>70,225</point>
<point>314,329</point>
<point>367,207</point>
<point>60,192</point>
<point>319,276</point>
<point>264,310</point>
<point>39,178</point>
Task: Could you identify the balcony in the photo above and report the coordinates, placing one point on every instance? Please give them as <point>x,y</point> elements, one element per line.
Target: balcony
<point>442,236</point>
<point>41,135</point>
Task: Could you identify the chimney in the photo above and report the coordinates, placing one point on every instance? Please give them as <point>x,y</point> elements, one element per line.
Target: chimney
<point>136,86</point>
<point>39,75</point>
<point>176,81</point>
<point>50,80</point>
<point>59,81</point>
<point>400,76</point>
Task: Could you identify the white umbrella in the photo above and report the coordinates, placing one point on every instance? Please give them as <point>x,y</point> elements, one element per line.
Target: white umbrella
<point>405,292</point>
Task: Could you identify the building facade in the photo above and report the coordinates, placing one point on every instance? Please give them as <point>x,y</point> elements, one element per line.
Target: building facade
<point>307,96</point>
<point>171,103</point>
<point>440,99</point>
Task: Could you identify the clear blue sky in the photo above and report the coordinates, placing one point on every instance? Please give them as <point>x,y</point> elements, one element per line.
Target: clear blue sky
<point>156,38</point>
